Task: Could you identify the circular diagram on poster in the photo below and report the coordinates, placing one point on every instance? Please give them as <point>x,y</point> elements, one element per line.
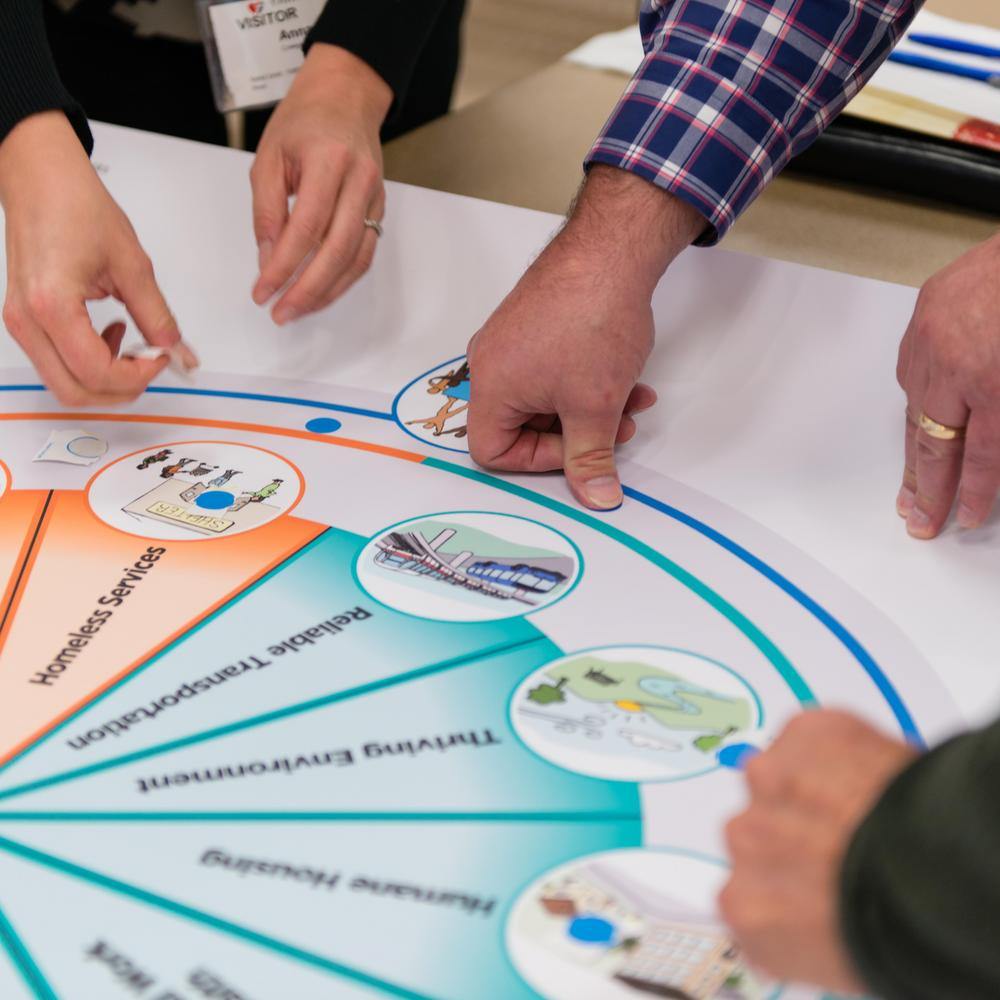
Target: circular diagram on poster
<point>624,925</point>
<point>432,408</point>
<point>190,490</point>
<point>469,566</point>
<point>635,713</point>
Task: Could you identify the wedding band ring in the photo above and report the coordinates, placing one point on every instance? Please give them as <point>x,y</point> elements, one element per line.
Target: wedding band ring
<point>932,428</point>
<point>374,224</point>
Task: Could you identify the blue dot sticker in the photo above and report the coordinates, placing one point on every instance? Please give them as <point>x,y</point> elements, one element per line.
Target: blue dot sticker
<point>736,755</point>
<point>215,500</point>
<point>591,930</point>
<point>323,425</point>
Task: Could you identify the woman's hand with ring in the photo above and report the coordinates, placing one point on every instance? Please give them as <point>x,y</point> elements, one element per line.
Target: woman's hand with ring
<point>322,147</point>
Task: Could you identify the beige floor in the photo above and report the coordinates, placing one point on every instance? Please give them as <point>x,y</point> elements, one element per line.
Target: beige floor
<point>506,40</point>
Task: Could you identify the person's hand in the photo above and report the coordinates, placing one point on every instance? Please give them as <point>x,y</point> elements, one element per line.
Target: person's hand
<point>68,242</point>
<point>555,371</point>
<point>949,367</point>
<point>322,146</point>
<point>808,794</point>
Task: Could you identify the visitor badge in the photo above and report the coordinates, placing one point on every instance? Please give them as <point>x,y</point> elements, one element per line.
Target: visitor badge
<point>254,48</point>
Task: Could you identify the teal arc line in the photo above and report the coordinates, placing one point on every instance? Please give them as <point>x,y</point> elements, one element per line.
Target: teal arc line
<point>199,916</point>
<point>796,682</point>
<point>231,816</point>
<point>23,961</point>
<point>273,716</point>
<point>235,599</point>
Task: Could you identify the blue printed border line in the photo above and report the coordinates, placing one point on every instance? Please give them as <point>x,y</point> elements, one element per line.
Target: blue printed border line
<point>867,662</point>
<point>832,624</point>
<point>258,397</point>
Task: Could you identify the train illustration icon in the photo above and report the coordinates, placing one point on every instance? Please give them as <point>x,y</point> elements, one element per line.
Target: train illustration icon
<point>470,566</point>
<point>411,552</point>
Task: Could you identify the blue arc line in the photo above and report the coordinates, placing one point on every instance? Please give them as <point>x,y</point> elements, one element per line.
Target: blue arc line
<point>315,404</point>
<point>22,960</point>
<point>283,948</point>
<point>852,645</point>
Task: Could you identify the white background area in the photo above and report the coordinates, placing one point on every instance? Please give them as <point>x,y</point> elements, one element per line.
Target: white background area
<point>777,384</point>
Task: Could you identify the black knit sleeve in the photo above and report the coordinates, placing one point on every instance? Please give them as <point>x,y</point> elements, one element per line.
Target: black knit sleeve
<point>920,889</point>
<point>29,81</point>
<point>387,34</point>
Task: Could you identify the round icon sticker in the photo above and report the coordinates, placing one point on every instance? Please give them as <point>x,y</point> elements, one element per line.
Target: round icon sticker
<point>195,490</point>
<point>635,713</point>
<point>468,566</point>
<point>621,925</point>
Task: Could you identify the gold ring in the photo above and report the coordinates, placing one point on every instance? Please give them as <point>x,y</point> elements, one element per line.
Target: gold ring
<point>940,431</point>
<point>374,224</point>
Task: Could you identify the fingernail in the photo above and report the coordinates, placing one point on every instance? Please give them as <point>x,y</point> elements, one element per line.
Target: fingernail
<point>604,492</point>
<point>285,314</point>
<point>966,517</point>
<point>918,523</point>
<point>904,501</point>
<point>262,293</point>
<point>264,253</point>
<point>189,360</point>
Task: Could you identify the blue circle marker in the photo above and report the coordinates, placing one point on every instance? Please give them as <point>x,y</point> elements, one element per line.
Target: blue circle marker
<point>214,500</point>
<point>323,425</point>
<point>591,930</point>
<point>736,755</point>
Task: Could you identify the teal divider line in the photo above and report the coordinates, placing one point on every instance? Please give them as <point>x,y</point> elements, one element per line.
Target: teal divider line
<point>169,648</point>
<point>778,660</point>
<point>200,917</point>
<point>23,961</point>
<point>49,816</point>
<point>266,717</point>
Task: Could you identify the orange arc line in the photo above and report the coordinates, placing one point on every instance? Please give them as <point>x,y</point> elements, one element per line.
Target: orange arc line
<point>232,425</point>
<point>110,682</point>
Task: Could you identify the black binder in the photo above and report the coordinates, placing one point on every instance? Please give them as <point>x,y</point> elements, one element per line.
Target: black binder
<point>905,162</point>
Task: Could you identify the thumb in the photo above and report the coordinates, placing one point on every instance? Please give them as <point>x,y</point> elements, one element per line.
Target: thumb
<point>589,459</point>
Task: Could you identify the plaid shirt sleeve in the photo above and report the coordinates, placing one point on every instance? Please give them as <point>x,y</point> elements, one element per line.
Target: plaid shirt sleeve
<point>731,90</point>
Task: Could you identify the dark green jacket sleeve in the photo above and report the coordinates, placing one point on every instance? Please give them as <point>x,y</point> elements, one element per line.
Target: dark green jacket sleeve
<point>920,899</point>
<point>389,35</point>
<point>29,82</point>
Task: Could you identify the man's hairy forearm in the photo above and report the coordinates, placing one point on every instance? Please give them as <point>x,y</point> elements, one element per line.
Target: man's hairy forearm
<point>628,226</point>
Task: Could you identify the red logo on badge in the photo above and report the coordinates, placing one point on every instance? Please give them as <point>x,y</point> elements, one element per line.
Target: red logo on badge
<point>255,6</point>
